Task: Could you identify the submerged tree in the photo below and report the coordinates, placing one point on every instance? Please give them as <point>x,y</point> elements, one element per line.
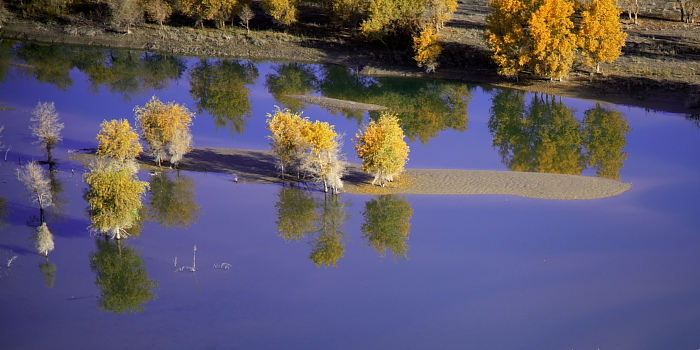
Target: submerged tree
<point>44,240</point>
<point>37,183</point>
<point>166,128</point>
<point>114,197</point>
<point>388,224</point>
<point>382,148</point>
<point>46,127</point>
<point>48,270</point>
<point>122,278</point>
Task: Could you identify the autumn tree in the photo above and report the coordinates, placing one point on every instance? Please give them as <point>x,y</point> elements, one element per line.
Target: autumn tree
<point>114,197</point>
<point>388,224</point>
<point>34,178</point>
<point>125,14</point>
<point>118,140</point>
<point>43,240</point>
<point>321,158</point>
<point>534,35</point>
<point>283,11</point>
<point>121,275</point>
<point>166,129</point>
<point>600,35</point>
<point>217,10</point>
<point>246,14</point>
<point>157,11</point>
<point>382,148</point>
<point>47,127</point>
<point>287,140</point>
<point>427,49</point>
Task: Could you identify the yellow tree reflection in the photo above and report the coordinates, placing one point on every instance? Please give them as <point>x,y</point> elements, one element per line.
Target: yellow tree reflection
<point>606,137</point>
<point>291,79</point>
<point>219,88</point>
<point>122,278</point>
<point>388,224</point>
<point>172,202</point>
<point>296,213</point>
<point>328,246</point>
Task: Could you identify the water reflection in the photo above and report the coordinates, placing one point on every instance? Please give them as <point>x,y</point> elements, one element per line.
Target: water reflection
<point>48,271</point>
<point>291,79</point>
<point>126,72</point>
<point>4,210</point>
<point>122,277</point>
<point>388,224</point>
<point>545,136</point>
<point>219,88</point>
<point>300,214</point>
<point>172,202</point>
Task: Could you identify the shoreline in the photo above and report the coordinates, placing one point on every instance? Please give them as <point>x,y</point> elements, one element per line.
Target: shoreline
<point>659,95</point>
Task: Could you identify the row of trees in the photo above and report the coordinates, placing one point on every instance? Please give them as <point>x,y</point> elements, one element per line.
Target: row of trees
<point>312,149</point>
<point>544,36</point>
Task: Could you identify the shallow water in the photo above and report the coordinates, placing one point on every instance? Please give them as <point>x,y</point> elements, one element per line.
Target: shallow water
<point>483,271</point>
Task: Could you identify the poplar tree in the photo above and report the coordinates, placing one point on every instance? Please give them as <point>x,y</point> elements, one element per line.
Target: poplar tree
<point>283,11</point>
<point>554,41</point>
<point>601,37</point>
<point>118,140</point>
<point>382,148</point>
<point>166,129</point>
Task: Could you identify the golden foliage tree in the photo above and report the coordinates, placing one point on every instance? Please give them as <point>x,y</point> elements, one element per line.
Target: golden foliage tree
<point>507,35</point>
<point>427,49</point>
<point>287,140</point>
<point>114,197</point>
<point>554,41</point>
<point>283,11</point>
<point>117,139</point>
<point>217,10</point>
<point>382,148</point>
<point>166,129</point>
<point>601,37</point>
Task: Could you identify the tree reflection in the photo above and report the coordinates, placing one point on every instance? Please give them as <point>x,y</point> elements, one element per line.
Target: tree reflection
<point>328,246</point>
<point>122,278</point>
<point>301,215</point>
<point>291,79</point>
<point>606,137</point>
<point>219,88</point>
<point>424,107</point>
<point>47,63</point>
<point>388,224</point>
<point>172,202</point>
<point>5,57</point>
<point>296,213</point>
<point>48,271</point>
<point>545,137</point>
<point>4,210</point>
<point>129,73</point>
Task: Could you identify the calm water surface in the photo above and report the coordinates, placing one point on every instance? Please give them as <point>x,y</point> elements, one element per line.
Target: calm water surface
<point>475,272</point>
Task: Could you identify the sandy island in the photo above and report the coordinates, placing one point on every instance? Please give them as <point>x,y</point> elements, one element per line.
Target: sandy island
<point>254,166</point>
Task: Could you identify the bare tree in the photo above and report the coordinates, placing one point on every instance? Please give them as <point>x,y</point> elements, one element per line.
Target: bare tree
<point>246,15</point>
<point>688,8</point>
<point>37,182</point>
<point>47,127</point>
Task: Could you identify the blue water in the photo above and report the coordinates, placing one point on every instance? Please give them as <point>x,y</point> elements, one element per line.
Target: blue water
<point>483,272</point>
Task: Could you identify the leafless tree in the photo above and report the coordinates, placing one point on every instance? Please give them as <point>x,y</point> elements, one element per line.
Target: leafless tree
<point>38,184</point>
<point>246,15</point>
<point>47,127</point>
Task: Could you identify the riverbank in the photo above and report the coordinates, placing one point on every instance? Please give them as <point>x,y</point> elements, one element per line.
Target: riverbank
<point>659,70</point>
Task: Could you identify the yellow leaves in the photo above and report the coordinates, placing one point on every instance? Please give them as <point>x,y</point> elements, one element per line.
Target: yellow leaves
<point>283,11</point>
<point>117,139</point>
<point>601,37</point>
<point>165,126</point>
<point>427,48</point>
<point>539,36</point>
<point>382,148</point>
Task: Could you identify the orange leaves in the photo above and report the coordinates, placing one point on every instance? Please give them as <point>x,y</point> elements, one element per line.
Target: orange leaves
<point>551,29</point>
<point>382,148</point>
<point>117,139</point>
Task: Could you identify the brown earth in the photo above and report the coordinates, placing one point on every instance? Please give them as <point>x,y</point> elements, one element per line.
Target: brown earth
<point>660,69</point>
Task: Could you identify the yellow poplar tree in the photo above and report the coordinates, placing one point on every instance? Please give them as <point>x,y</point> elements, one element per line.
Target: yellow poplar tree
<point>382,148</point>
<point>427,49</point>
<point>286,141</point>
<point>283,11</point>
<point>165,127</point>
<point>507,35</point>
<point>117,139</point>
<point>551,27</point>
<point>601,37</point>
